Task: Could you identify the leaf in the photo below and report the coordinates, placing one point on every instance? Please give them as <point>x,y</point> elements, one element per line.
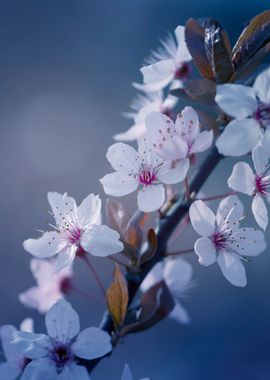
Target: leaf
<point>117,297</point>
<point>156,305</point>
<point>134,229</point>
<point>218,51</point>
<point>195,40</point>
<point>152,247</point>
<point>117,216</point>
<point>253,38</point>
<point>202,90</point>
<point>208,121</point>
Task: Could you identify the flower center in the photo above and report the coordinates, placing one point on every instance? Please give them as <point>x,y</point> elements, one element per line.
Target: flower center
<point>74,235</point>
<point>262,184</point>
<point>147,177</point>
<point>219,240</point>
<point>262,113</point>
<point>61,355</point>
<point>66,285</point>
<point>183,71</point>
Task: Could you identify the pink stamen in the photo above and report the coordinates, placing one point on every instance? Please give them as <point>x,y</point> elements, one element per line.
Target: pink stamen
<point>74,236</point>
<point>219,240</point>
<point>183,72</point>
<point>147,178</point>
<point>262,184</point>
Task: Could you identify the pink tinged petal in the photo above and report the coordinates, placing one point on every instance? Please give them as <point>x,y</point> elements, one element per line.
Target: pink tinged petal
<point>9,371</point>
<point>151,198</point>
<point>262,86</point>
<point>171,173</point>
<point>61,205</point>
<point>187,124</point>
<point>73,372</point>
<point>230,208</point>
<point>123,158</point>
<point>65,258</point>
<point>89,210</point>
<point>158,75</point>
<point>101,241</point>
<point>182,54</point>
<point>31,298</point>
<point>148,156</point>
<point>261,154</point>
<point>126,375</point>
<point>202,218</point>
<point>260,211</point>
<point>133,133</point>
<point>249,242</point>
<point>205,250</point>
<point>239,137</point>
<point>242,178</point>
<point>92,343</point>
<point>177,275</point>
<point>232,269</point>
<point>173,149</point>
<point>153,277</point>
<point>6,334</point>
<point>118,185</point>
<point>48,245</point>
<point>32,346</point>
<point>42,270</point>
<point>180,314</point>
<point>236,100</point>
<point>41,369</point>
<point>202,142</point>
<point>62,322</point>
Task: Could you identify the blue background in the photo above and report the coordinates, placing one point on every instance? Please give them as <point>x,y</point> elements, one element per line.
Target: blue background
<point>65,73</point>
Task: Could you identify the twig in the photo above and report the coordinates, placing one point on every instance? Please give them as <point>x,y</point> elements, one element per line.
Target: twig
<point>219,196</point>
<point>95,274</point>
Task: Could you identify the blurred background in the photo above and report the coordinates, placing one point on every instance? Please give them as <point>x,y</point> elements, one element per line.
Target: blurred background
<point>65,73</point>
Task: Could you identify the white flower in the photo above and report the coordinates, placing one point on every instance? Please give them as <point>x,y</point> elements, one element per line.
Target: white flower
<point>54,355</point>
<point>51,285</point>
<point>15,361</point>
<point>141,169</point>
<point>251,109</point>
<point>178,141</point>
<point>142,106</point>
<point>168,63</point>
<point>127,375</point>
<point>257,185</point>
<point>77,228</point>
<point>223,240</point>
<point>177,275</point>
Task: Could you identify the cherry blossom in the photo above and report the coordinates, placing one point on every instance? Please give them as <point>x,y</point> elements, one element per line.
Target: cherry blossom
<point>257,185</point>
<point>77,228</point>
<point>15,361</point>
<point>141,169</point>
<point>127,375</point>
<point>170,62</point>
<point>177,275</point>
<point>51,285</point>
<point>250,108</point>
<point>178,141</point>
<point>142,106</point>
<point>54,356</point>
<point>222,239</point>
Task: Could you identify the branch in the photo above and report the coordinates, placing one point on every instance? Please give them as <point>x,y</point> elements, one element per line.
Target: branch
<point>164,230</point>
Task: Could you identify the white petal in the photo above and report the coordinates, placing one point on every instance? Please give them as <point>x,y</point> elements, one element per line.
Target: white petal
<point>62,322</point>
<point>158,75</point>
<point>202,142</point>
<point>249,242</point>
<point>92,343</point>
<point>179,314</point>
<point>101,241</point>
<point>202,218</point>
<point>232,269</point>
<point>173,148</point>
<point>236,100</point>
<point>9,371</point>
<point>171,173</point>
<point>230,208</point>
<point>133,133</point>
<point>177,274</point>
<point>147,153</point>
<point>65,258</point>
<point>42,270</point>
<point>126,375</point>
<point>187,124</point>
<point>260,211</point>
<point>262,86</point>
<point>118,185</point>
<point>239,137</point>
<point>89,210</point>
<point>73,372</point>
<point>31,297</point>
<point>153,277</point>
<point>242,178</point>
<point>182,54</point>
<point>61,205</point>
<point>40,370</point>
<point>205,250</point>
<point>151,198</point>
<point>6,334</point>
<point>27,325</point>
<point>261,154</point>
<point>123,158</point>
<point>32,346</point>
<point>48,245</point>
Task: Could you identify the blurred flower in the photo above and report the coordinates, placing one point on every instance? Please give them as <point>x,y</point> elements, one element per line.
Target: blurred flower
<point>15,361</point>
<point>223,240</point>
<point>177,275</point>
<point>51,285</point>
<point>251,109</point>
<point>142,106</point>
<point>77,229</point>
<point>140,169</point>
<point>257,185</point>
<point>54,355</point>
<point>169,62</point>
<point>178,141</point>
<point>127,375</point>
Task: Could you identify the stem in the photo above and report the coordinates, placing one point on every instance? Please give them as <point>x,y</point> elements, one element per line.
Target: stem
<point>219,196</point>
<point>95,274</point>
<point>118,262</point>
<point>166,226</point>
<point>187,187</point>
<point>180,252</point>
